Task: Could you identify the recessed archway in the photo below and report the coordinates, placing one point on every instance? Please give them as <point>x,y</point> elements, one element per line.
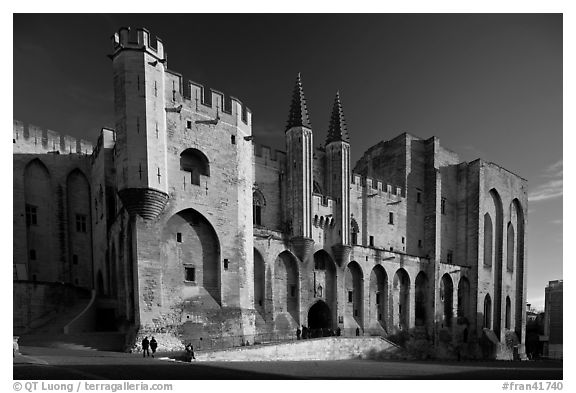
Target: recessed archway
<point>191,245</point>
<point>286,285</point>
<point>354,295</point>
<point>401,299</point>
<point>319,316</point>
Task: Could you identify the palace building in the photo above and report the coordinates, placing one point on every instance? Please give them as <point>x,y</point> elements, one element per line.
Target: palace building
<point>180,224</point>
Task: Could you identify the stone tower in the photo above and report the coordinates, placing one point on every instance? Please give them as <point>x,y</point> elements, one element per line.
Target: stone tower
<point>140,120</point>
<point>338,180</point>
<point>299,174</point>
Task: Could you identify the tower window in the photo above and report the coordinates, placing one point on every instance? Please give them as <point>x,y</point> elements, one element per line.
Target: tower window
<point>418,197</point>
<point>371,241</point>
<point>226,264</point>
<point>443,206</point>
<point>190,274</point>
<point>31,215</point>
<point>258,203</point>
<point>350,296</point>
<point>233,139</point>
<point>390,218</point>
<point>189,124</point>
<point>179,237</point>
<point>81,223</point>
<point>32,255</point>
<point>195,162</point>
<point>403,240</point>
<point>420,243</point>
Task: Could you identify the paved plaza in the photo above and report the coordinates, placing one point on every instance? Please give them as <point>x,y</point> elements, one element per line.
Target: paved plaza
<point>47,363</point>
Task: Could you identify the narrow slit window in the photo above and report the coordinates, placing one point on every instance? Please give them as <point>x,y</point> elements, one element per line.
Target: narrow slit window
<point>179,237</point>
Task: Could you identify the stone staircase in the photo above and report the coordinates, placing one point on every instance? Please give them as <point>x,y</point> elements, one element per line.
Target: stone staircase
<point>96,341</point>
<point>326,348</point>
<point>52,334</point>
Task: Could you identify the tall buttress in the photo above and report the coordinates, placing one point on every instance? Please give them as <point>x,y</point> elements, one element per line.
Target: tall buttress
<point>140,118</point>
<point>299,148</point>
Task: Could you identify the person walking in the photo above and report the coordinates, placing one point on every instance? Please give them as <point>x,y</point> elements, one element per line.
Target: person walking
<point>298,332</point>
<point>153,345</point>
<point>145,346</point>
<point>190,352</point>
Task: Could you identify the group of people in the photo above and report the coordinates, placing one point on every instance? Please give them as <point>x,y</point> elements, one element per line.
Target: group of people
<point>306,332</point>
<point>152,345</point>
<point>148,345</point>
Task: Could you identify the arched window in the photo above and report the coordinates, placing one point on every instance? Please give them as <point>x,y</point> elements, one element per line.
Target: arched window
<point>510,248</point>
<point>258,204</point>
<point>487,240</point>
<point>195,162</point>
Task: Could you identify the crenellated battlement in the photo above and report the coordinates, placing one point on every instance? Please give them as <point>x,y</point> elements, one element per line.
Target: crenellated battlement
<point>372,184</point>
<point>206,101</point>
<point>31,139</point>
<point>264,155</point>
<point>138,39</point>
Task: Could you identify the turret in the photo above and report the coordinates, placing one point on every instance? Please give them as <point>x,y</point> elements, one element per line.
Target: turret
<point>140,117</point>
<point>338,180</point>
<point>299,174</point>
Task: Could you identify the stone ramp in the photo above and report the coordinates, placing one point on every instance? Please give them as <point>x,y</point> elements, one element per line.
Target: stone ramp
<point>328,348</point>
<point>102,341</point>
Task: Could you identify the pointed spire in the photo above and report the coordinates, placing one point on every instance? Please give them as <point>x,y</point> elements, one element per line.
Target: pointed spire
<point>298,111</point>
<point>337,130</point>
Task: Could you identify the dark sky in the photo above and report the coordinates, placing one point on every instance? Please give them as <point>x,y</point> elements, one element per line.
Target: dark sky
<point>488,85</point>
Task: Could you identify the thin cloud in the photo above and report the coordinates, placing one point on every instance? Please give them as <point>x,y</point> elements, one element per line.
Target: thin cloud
<point>552,188</point>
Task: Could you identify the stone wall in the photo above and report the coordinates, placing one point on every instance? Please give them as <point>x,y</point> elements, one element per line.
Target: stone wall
<point>314,349</point>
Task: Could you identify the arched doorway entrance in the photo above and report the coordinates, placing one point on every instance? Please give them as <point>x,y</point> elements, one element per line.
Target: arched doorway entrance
<point>319,316</point>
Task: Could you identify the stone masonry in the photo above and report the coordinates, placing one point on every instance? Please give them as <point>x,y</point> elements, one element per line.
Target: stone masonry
<point>186,228</point>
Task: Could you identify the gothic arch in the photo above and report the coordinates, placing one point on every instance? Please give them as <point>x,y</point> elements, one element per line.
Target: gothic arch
<point>287,286</point>
<point>421,293</point>
<point>499,244</point>
<point>78,197</point>
<point>447,298</point>
<point>353,282</point>
<point>259,282</point>
<point>464,298</point>
<point>378,297</point>
<point>258,205</point>
<point>488,240</point>
<point>401,299</point>
<point>520,234</point>
<point>510,241</point>
<point>39,216</point>
<point>191,245</point>
<point>325,284</point>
